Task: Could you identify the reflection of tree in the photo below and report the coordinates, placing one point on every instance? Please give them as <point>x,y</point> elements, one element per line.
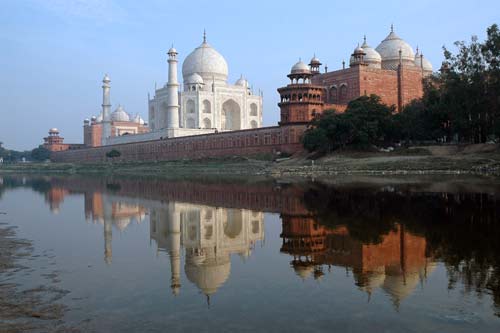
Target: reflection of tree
<point>40,185</point>
<point>461,229</point>
<point>358,210</point>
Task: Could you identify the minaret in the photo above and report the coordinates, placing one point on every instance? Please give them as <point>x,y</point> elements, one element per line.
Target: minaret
<point>172,91</point>
<point>106,110</point>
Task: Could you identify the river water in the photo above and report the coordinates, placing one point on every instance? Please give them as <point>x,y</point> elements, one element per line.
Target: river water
<point>148,255</point>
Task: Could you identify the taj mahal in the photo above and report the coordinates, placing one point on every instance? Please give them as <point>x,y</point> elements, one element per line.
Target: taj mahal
<point>207,103</point>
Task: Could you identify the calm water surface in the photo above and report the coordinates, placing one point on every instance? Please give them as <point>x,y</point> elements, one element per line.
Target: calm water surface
<point>140,255</point>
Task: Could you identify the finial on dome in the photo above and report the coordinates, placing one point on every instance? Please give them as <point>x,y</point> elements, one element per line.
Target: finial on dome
<point>392,27</point>
<point>204,36</point>
<point>364,39</point>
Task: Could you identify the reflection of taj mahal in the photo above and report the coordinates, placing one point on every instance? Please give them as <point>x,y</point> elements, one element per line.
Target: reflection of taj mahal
<point>209,235</point>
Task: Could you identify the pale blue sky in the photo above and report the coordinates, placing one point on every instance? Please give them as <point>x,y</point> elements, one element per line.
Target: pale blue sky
<point>54,53</point>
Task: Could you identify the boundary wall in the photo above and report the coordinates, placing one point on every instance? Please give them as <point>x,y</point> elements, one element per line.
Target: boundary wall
<point>249,142</point>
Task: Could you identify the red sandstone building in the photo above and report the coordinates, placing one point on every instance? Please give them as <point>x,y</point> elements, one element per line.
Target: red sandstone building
<point>122,123</point>
<point>54,142</point>
<point>392,71</point>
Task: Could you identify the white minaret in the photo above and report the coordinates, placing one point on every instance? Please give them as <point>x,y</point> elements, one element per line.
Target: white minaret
<point>106,110</point>
<point>172,91</point>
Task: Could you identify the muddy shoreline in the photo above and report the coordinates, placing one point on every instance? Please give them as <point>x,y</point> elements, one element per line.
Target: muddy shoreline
<point>32,309</point>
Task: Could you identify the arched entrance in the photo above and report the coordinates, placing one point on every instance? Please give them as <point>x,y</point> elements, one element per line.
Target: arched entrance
<point>231,115</point>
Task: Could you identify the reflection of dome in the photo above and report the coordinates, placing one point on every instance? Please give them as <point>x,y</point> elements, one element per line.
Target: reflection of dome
<point>400,286</point>
<point>121,223</point>
<point>300,68</point>
<point>210,275</point>
<point>119,114</point>
<point>389,50</point>
<point>207,62</point>
<point>374,280</point>
<point>303,270</point>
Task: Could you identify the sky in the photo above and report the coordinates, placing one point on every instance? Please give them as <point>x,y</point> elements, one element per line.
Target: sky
<point>54,53</point>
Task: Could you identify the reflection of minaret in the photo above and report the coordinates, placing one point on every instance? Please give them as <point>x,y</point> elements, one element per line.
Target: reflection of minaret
<point>174,249</point>
<point>108,222</point>
<point>107,241</point>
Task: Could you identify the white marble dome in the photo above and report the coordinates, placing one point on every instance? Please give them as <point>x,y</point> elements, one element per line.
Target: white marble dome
<point>206,62</point>
<point>422,62</point>
<point>194,78</point>
<point>138,119</point>
<point>300,68</point>
<point>371,57</point>
<point>53,130</point>
<point>241,82</point>
<point>389,51</point>
<point>120,115</point>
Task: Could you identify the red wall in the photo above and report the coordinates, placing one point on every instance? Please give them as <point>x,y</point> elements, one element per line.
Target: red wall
<point>240,143</point>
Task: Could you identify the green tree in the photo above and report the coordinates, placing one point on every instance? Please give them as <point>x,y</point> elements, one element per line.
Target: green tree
<point>365,122</point>
<point>40,154</point>
<point>113,154</point>
<point>470,87</point>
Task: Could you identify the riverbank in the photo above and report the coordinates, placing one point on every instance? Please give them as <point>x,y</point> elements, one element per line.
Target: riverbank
<point>27,309</point>
<point>429,160</point>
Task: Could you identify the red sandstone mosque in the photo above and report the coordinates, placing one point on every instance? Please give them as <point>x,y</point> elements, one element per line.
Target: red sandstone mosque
<point>392,71</point>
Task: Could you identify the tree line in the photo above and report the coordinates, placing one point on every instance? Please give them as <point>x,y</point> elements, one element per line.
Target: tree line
<point>14,156</point>
<point>459,104</point>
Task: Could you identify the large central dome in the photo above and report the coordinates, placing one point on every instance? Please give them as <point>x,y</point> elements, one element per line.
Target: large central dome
<point>389,51</point>
<point>206,62</point>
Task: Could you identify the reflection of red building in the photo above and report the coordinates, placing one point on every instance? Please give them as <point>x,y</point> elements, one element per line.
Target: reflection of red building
<point>396,264</point>
<point>54,197</point>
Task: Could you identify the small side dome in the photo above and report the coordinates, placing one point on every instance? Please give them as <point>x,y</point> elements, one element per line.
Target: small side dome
<point>120,115</point>
<point>194,78</point>
<point>359,50</point>
<point>241,82</point>
<point>422,62</point>
<point>93,118</point>
<point>106,78</point>
<point>53,130</point>
<point>138,119</point>
<point>300,68</point>
<point>86,121</point>
<point>315,61</point>
<point>372,57</point>
<point>172,50</point>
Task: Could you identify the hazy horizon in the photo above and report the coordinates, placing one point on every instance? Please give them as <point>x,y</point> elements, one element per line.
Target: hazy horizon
<point>55,52</point>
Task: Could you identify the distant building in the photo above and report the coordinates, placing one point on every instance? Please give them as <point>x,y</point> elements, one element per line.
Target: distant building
<point>120,123</point>
<point>54,142</point>
<point>392,71</point>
